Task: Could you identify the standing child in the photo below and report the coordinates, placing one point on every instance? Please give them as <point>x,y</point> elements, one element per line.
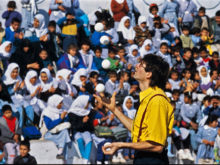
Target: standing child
<point>115,63</point>
<point>11,13</point>
<point>185,38</point>
<point>10,133</point>
<point>206,139</point>
<point>25,157</point>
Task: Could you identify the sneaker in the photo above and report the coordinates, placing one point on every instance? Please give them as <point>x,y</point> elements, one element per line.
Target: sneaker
<point>106,162</point>
<point>98,162</point>
<point>121,158</point>
<point>115,159</point>
<point>188,155</point>
<point>170,155</point>
<point>181,154</point>
<point>60,156</point>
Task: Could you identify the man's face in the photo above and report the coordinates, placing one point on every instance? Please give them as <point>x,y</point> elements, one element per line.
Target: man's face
<point>140,73</point>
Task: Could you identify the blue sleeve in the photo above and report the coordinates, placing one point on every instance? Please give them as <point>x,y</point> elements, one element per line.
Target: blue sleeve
<point>61,20</point>
<point>5,15</point>
<point>199,115</point>
<point>185,118</point>
<point>9,35</point>
<point>163,9</point>
<point>79,22</point>
<point>67,3</point>
<point>206,111</point>
<point>76,3</point>
<point>53,5</point>
<point>199,135</point>
<point>33,39</point>
<point>50,124</point>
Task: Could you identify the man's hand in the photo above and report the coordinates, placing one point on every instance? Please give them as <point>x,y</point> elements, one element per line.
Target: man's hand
<point>110,149</point>
<point>110,106</point>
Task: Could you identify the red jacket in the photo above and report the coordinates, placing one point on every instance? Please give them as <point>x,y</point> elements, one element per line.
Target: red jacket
<point>119,10</point>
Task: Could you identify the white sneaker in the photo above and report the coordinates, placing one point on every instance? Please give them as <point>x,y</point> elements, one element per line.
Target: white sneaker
<point>98,162</point>
<point>181,154</point>
<point>188,154</point>
<point>121,158</point>
<point>115,159</point>
<point>106,162</point>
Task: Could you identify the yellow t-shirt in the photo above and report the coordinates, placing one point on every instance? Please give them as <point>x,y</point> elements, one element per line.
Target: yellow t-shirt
<point>157,122</point>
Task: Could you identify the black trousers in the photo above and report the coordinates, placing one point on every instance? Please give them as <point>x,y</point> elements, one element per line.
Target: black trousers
<point>142,157</point>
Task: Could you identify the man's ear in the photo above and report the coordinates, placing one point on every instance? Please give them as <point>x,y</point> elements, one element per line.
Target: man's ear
<point>148,75</point>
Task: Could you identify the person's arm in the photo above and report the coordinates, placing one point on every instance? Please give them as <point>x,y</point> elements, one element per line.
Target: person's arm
<point>50,124</point>
<point>53,5</point>
<point>6,14</point>
<point>148,146</point>
<point>126,121</point>
<point>182,113</point>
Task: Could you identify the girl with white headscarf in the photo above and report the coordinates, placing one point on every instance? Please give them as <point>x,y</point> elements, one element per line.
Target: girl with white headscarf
<point>128,109</point>
<point>38,30</point>
<point>81,119</point>
<point>48,84</point>
<point>5,53</point>
<point>34,89</point>
<point>141,31</point>
<point>79,81</point>
<point>133,56</point>
<point>15,87</point>
<point>147,48</point>
<point>52,116</point>
<point>63,77</point>
<point>126,31</point>
<point>206,81</point>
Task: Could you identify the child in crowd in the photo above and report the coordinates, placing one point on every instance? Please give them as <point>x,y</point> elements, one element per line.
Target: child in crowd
<point>10,133</point>
<point>69,60</point>
<point>205,57</point>
<point>25,157</point>
<point>177,60</point>
<point>196,39</point>
<point>2,33</point>
<point>206,139</point>
<point>115,63</point>
<point>164,53</point>
<point>44,59</point>
<point>214,63</point>
<point>112,84</point>
<point>133,57</point>
<point>174,80</point>
<point>147,48</point>
<point>185,38</point>
<point>11,13</point>
<point>153,10</point>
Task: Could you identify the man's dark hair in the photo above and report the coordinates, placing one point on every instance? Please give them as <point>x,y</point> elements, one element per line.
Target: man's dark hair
<point>159,68</point>
<point>25,143</point>
<point>15,20</point>
<point>11,4</point>
<point>6,107</point>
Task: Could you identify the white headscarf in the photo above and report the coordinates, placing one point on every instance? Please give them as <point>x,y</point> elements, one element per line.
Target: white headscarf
<point>64,73</point>
<point>142,19</point>
<point>3,53</point>
<point>120,1</point>
<point>78,106</point>
<point>50,82</point>
<point>51,110</point>
<point>76,79</point>
<point>131,49</point>
<point>30,87</point>
<point>41,30</point>
<point>143,51</point>
<point>130,112</point>
<point>128,33</point>
<point>7,79</point>
<point>204,80</point>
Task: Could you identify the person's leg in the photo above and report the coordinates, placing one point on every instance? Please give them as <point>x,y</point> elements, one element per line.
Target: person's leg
<point>88,144</point>
<point>80,142</point>
<point>10,149</point>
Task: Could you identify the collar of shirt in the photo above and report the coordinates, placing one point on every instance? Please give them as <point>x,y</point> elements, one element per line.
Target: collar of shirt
<point>12,29</point>
<point>145,93</point>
